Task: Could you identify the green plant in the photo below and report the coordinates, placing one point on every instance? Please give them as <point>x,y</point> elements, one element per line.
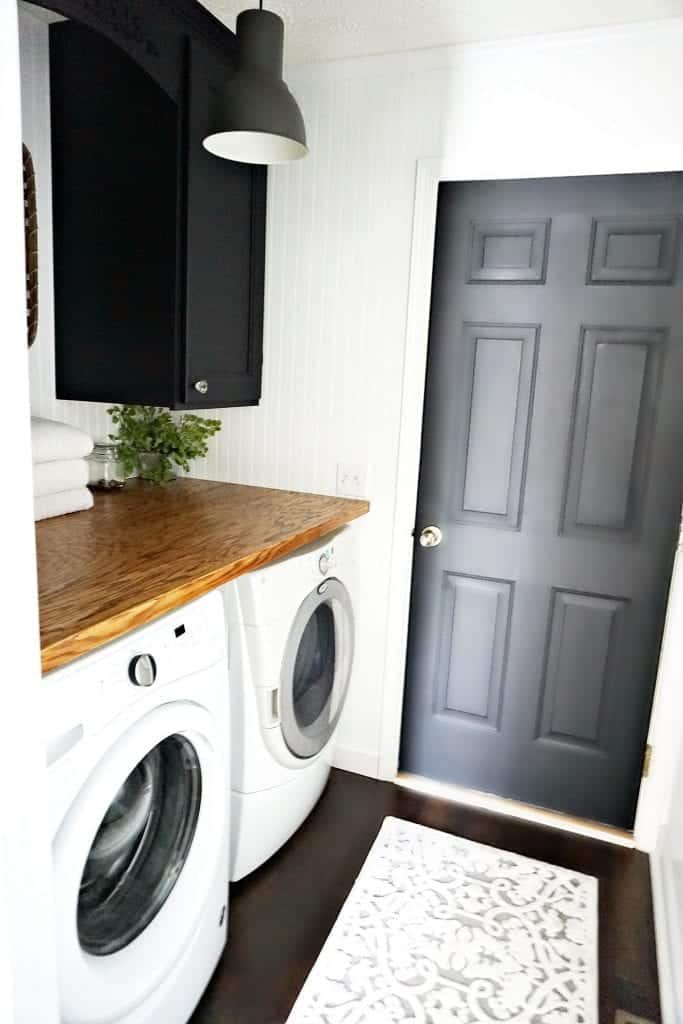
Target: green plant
<point>145,431</point>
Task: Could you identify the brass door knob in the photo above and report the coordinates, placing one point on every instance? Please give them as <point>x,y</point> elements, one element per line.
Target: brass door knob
<point>430,537</point>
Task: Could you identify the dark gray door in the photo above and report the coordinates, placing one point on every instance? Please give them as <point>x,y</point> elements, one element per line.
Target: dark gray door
<point>552,462</point>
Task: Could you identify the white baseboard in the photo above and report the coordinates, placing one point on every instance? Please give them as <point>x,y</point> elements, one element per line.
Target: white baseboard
<point>350,759</point>
<point>667,894</point>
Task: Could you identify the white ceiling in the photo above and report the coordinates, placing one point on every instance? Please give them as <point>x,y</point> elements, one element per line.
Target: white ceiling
<point>318,30</point>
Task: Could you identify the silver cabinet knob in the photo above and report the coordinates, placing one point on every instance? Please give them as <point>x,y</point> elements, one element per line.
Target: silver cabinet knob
<point>142,670</point>
<point>202,386</point>
<point>430,536</point>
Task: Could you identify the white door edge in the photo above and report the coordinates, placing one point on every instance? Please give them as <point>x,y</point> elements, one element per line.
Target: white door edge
<point>667,901</point>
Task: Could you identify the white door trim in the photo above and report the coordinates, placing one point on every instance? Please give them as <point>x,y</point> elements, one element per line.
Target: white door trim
<point>667,896</point>
<point>431,172</point>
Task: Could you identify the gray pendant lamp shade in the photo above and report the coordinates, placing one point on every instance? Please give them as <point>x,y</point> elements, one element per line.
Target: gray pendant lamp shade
<point>258,121</point>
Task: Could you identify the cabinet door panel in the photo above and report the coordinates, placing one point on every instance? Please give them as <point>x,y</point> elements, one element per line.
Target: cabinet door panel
<point>225,225</point>
<point>115,197</point>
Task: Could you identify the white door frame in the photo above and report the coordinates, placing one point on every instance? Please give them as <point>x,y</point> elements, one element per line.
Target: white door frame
<point>430,173</point>
<point>28,981</point>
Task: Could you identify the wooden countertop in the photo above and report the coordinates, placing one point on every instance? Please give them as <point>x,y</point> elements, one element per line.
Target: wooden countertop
<point>148,549</point>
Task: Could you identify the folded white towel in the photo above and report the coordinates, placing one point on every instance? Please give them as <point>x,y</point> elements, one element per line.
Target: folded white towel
<point>55,477</point>
<point>52,441</point>
<point>49,505</point>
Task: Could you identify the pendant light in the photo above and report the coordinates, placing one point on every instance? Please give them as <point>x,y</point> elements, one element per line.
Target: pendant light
<point>260,121</point>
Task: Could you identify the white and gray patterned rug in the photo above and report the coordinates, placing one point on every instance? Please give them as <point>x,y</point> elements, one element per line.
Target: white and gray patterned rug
<point>440,930</point>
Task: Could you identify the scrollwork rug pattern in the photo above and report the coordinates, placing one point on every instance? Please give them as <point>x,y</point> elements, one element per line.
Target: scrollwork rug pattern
<point>441,930</point>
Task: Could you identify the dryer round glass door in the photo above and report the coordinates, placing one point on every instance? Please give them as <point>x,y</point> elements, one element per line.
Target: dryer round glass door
<point>316,669</point>
<point>140,847</point>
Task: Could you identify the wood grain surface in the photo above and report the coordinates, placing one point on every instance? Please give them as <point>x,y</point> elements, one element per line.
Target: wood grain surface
<point>148,549</point>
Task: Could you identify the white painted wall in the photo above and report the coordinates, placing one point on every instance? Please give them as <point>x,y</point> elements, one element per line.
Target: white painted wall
<point>28,992</point>
<point>338,262</point>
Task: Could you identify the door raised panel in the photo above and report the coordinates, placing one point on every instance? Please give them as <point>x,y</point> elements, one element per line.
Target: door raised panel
<point>582,633</point>
<point>509,252</point>
<point>498,366</point>
<point>471,665</point>
<point>615,402</point>
<point>641,250</point>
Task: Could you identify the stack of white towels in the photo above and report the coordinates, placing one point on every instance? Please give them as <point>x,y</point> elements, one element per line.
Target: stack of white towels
<point>60,470</point>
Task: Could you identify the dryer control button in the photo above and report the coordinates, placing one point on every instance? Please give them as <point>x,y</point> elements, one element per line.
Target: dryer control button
<point>325,563</point>
<point>142,670</point>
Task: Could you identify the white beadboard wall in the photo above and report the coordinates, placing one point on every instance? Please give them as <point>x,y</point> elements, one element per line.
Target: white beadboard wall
<point>338,258</point>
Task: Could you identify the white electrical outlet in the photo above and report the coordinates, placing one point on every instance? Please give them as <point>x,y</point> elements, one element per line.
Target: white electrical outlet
<point>352,480</point>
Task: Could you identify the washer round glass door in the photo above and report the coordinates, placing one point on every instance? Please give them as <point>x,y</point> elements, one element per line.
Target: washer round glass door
<point>316,668</point>
<point>137,858</point>
<point>140,847</point>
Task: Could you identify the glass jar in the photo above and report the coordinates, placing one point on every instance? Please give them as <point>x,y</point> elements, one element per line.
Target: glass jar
<point>105,468</point>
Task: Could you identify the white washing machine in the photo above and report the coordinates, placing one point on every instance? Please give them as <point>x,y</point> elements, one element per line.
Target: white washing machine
<point>291,638</point>
<point>137,739</point>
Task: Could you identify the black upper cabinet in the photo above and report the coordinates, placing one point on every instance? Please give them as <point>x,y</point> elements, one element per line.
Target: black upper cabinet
<point>225,223</point>
<point>158,245</point>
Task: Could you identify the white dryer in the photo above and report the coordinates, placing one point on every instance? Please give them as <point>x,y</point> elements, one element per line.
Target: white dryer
<point>291,640</point>
<point>137,747</point>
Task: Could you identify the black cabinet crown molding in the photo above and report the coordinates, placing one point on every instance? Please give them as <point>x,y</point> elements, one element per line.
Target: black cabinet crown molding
<point>152,32</point>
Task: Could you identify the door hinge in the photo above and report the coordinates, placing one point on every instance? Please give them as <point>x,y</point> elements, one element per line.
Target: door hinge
<point>647,761</point>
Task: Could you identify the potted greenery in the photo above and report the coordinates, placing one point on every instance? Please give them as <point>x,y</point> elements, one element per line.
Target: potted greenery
<point>151,442</point>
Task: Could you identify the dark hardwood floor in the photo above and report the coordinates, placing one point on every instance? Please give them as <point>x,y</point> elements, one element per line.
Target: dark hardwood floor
<point>281,914</point>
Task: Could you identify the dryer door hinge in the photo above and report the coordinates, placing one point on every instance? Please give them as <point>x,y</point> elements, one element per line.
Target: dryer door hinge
<point>647,761</point>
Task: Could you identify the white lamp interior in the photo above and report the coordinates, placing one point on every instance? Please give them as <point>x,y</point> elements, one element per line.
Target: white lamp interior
<point>254,147</point>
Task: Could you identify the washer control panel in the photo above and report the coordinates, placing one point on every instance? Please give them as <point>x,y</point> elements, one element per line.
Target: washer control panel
<point>81,698</point>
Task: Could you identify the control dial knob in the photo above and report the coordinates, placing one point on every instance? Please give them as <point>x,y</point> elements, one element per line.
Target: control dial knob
<point>326,562</point>
<point>142,670</point>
